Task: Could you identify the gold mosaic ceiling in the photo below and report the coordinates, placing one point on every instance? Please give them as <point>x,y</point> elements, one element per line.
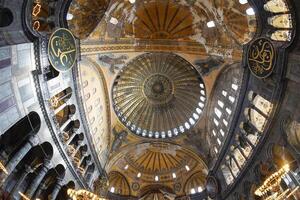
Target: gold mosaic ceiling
<point>150,95</point>
<point>84,16</point>
<point>177,20</point>
<point>158,94</point>
<point>161,20</point>
<point>157,163</point>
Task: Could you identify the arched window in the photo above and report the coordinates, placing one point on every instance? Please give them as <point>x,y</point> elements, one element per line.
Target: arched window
<point>6,17</point>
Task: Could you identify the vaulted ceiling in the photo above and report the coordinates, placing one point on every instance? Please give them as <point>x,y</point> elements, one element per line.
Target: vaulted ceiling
<point>158,61</point>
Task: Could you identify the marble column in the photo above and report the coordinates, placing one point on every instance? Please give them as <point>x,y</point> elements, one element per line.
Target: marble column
<point>39,191</point>
<point>56,189</point>
<point>11,165</point>
<point>38,179</point>
<point>16,189</point>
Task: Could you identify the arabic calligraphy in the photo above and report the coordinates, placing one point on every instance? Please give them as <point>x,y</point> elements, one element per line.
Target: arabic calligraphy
<point>261,57</point>
<point>62,50</point>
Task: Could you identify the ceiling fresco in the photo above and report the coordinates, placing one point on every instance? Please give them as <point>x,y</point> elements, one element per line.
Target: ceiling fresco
<point>158,61</point>
<point>156,86</point>
<point>206,27</point>
<point>158,163</point>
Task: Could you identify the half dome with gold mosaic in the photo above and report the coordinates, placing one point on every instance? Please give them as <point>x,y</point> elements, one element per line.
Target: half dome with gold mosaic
<point>158,95</point>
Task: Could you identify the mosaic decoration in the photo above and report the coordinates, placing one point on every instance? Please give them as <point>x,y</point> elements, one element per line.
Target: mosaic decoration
<point>149,95</point>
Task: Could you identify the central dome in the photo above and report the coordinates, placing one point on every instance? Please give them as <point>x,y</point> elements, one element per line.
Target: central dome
<point>158,95</point>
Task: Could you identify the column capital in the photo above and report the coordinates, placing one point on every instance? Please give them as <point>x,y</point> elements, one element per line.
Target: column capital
<point>33,140</point>
<point>46,165</point>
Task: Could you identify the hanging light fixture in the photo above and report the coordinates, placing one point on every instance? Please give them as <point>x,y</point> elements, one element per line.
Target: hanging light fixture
<point>82,194</point>
<point>24,197</point>
<point>2,168</point>
<point>272,181</point>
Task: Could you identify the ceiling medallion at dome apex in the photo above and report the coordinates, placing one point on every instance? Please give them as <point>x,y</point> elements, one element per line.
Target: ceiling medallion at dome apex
<point>189,26</point>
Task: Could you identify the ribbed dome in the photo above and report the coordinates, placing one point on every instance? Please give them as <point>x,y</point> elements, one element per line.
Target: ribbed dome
<point>158,95</point>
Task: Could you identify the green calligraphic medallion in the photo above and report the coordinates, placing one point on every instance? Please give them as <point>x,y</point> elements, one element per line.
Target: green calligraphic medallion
<point>62,50</point>
<point>261,57</point>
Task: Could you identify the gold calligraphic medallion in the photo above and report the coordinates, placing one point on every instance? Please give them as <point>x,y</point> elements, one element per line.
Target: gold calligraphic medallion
<point>261,57</point>
<point>62,50</point>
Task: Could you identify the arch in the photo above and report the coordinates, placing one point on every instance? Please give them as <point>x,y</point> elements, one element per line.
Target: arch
<point>63,191</point>
<point>49,181</point>
<point>85,161</point>
<point>78,138</point>
<point>52,73</point>
<point>118,184</point>
<point>6,17</point>
<point>15,136</point>
<point>18,179</point>
<point>65,114</point>
<point>195,183</point>
<point>155,192</point>
<point>89,173</point>
<point>62,97</point>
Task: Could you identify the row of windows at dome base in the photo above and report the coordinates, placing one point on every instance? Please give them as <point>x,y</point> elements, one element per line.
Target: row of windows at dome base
<point>163,134</point>
<point>156,178</point>
<point>169,133</point>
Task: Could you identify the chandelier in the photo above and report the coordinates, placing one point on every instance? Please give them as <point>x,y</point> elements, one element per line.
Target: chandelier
<point>83,195</point>
<point>272,184</point>
<point>2,168</point>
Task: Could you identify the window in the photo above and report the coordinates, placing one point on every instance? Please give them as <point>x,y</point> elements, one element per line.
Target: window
<point>214,133</point>
<point>220,103</point>
<point>6,17</point>
<point>222,132</point>
<point>218,113</point>
<point>234,86</point>
<point>173,175</point>
<point>216,122</point>
<point>187,168</point>
<point>231,98</point>
<point>112,189</point>
<point>193,191</point>
<point>224,93</point>
<point>228,111</point>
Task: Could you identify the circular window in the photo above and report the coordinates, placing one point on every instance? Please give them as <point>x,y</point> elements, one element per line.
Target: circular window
<point>158,95</point>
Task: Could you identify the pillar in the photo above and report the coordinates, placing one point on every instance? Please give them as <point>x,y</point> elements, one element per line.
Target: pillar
<point>40,189</point>
<point>38,179</point>
<point>11,165</point>
<point>16,189</point>
<point>56,189</point>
